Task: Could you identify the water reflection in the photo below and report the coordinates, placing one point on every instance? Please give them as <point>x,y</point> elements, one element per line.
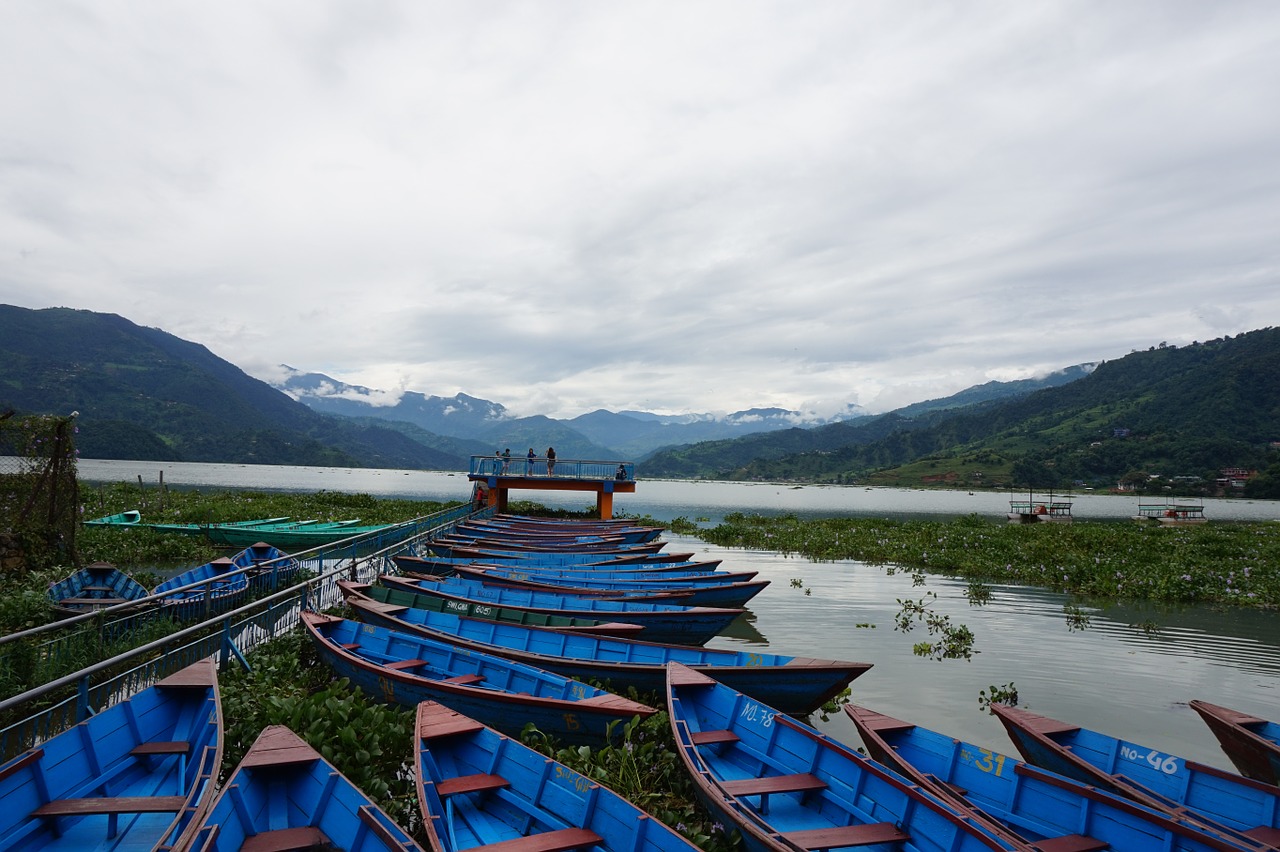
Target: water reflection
<point>1114,675</point>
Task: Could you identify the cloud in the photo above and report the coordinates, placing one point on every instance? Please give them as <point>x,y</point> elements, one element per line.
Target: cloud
<point>660,206</point>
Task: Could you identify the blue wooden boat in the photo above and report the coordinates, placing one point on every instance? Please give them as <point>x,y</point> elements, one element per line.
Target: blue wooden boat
<point>443,566</point>
<point>536,531</point>
<point>93,587</point>
<point>1226,804</point>
<point>785,786</point>
<point>477,787</point>
<point>1251,743</point>
<point>606,577</point>
<point>138,775</point>
<point>284,795</point>
<point>215,586</point>
<point>406,669</point>
<point>410,594</point>
<point>1023,803</point>
<point>732,594</point>
<point>688,625</point>
<point>273,569</point>
<point>484,553</point>
<point>798,685</point>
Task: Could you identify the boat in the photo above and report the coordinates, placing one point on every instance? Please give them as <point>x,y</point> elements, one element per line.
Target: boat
<point>478,787</point>
<point>443,566</point>
<point>139,774</point>
<point>216,586</point>
<point>1172,512</point>
<point>1251,743</point>
<point>1022,803</point>
<point>1039,508</point>
<point>798,685</point>
<point>786,786</point>
<point>94,587</point>
<point>660,622</point>
<point>487,554</point>
<point>402,668</point>
<point>284,795</point>
<point>130,518</point>
<point>409,594</point>
<point>272,568</point>
<point>684,593</point>
<point>1226,804</point>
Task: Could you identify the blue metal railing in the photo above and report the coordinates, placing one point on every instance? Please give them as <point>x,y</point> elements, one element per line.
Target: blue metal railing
<point>230,635</point>
<point>495,466</point>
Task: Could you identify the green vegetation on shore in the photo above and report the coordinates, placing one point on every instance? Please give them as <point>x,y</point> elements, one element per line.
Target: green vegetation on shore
<point>1216,563</point>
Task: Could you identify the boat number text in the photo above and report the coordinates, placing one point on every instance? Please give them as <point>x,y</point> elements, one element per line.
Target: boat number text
<point>753,712</point>
<point>990,761</point>
<point>1166,763</point>
<point>579,783</point>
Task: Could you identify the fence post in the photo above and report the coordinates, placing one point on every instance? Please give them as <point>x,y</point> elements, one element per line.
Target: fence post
<point>82,699</point>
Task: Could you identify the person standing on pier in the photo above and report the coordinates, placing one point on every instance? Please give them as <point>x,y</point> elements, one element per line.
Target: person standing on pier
<point>551,461</point>
<point>529,471</point>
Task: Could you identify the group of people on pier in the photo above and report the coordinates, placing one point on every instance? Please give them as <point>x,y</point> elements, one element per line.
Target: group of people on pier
<point>502,462</point>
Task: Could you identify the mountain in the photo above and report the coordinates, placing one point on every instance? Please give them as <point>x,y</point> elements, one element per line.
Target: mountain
<point>1178,413</point>
<point>143,393</point>
<point>598,434</point>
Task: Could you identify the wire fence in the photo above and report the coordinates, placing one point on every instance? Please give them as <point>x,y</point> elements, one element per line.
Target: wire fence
<point>44,711</point>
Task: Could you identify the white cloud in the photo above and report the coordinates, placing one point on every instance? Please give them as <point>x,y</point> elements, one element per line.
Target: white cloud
<point>661,206</point>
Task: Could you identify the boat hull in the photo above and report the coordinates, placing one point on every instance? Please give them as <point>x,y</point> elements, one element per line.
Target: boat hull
<point>797,685</point>
<point>136,775</point>
<point>785,785</point>
<point>1252,744</point>
<point>477,787</point>
<point>284,795</point>
<point>500,693</point>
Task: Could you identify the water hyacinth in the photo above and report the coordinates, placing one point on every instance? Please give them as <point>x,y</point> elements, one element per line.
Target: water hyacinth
<point>1236,563</point>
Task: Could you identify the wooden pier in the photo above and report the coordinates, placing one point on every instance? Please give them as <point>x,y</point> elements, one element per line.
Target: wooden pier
<point>496,476</point>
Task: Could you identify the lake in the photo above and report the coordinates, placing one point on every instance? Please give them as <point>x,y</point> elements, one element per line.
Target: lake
<point>1129,673</point>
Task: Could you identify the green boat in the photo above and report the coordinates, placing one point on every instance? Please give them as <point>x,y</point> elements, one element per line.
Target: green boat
<point>283,533</point>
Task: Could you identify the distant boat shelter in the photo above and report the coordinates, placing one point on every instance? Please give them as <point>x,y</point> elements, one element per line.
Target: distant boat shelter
<point>496,476</point>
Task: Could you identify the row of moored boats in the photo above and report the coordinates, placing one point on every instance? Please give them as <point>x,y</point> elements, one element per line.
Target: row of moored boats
<point>502,624</point>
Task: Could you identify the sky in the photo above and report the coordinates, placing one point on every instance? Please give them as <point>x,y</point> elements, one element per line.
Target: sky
<point>663,206</point>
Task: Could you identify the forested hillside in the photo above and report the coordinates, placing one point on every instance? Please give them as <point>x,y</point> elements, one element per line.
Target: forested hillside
<point>1170,411</point>
<point>143,393</point>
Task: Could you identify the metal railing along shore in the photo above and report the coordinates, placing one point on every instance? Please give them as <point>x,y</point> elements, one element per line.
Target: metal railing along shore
<point>50,708</point>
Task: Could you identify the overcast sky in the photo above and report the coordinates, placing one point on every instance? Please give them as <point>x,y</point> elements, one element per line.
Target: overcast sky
<point>667,206</point>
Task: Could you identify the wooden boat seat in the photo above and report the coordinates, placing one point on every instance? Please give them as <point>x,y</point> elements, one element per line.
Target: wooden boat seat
<point>177,747</point>
<point>111,805</point>
<point>801,782</point>
<point>847,835</point>
<point>400,665</point>
<point>95,588</point>
<point>465,680</point>
<point>349,646</point>
<point>470,784</point>
<point>1071,843</point>
<point>93,601</point>
<point>712,737</point>
<point>285,840</point>
<point>1265,833</point>
<point>548,841</point>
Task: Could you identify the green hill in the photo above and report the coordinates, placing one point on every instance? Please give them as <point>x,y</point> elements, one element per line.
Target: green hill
<point>1174,412</point>
<point>143,393</point>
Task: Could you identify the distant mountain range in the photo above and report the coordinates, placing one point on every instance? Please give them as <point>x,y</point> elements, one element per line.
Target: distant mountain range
<point>598,434</point>
<point>142,393</point>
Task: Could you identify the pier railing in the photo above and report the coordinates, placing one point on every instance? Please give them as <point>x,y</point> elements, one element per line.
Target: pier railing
<point>50,708</point>
<point>541,467</point>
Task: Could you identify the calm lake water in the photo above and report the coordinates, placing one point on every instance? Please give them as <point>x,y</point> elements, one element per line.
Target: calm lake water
<point>1118,675</point>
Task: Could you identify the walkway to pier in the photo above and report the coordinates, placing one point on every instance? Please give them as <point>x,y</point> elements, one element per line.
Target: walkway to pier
<point>497,475</point>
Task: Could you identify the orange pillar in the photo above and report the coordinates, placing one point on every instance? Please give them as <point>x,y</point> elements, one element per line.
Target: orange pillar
<point>604,504</point>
